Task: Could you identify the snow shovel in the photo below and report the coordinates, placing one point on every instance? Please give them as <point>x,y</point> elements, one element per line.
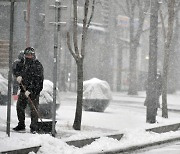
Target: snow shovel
<point>43,126</point>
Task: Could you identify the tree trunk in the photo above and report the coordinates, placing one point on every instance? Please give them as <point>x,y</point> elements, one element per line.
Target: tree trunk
<point>132,71</point>
<point>132,56</point>
<point>173,61</point>
<point>151,111</point>
<point>119,69</point>
<point>78,114</point>
<point>164,89</point>
<point>166,57</point>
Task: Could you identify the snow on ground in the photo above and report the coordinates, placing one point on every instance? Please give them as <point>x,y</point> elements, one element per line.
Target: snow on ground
<point>117,118</point>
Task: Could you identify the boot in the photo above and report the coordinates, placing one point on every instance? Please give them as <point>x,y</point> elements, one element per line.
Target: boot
<point>34,129</point>
<point>19,127</point>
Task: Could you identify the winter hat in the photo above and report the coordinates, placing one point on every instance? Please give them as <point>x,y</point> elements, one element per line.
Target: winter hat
<point>29,50</point>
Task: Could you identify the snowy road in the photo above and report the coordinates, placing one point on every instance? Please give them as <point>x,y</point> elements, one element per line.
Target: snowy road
<point>173,148</point>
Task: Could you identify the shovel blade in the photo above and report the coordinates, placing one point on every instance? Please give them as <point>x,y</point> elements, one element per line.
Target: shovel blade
<point>45,127</point>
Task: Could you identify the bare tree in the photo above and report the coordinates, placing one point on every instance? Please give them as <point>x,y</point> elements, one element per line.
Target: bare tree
<point>134,35</point>
<point>78,55</point>
<point>168,40</point>
<point>134,39</point>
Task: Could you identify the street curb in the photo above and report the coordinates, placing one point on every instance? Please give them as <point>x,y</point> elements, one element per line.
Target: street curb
<point>22,151</point>
<point>139,147</point>
<point>166,128</point>
<point>83,142</point>
<point>77,143</point>
<point>160,129</point>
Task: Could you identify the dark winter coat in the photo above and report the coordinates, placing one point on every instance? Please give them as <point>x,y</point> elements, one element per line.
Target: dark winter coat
<point>32,76</point>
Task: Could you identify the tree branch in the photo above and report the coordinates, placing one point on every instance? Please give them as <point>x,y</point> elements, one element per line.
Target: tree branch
<point>92,13</point>
<point>128,8</point>
<point>75,28</point>
<point>163,26</point>
<point>69,47</point>
<point>170,22</point>
<point>141,19</point>
<point>84,32</point>
<point>121,7</point>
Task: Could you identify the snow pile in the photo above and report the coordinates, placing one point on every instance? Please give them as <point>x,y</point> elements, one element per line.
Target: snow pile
<point>46,95</point>
<point>131,138</point>
<point>55,146</point>
<point>3,85</point>
<point>16,141</point>
<point>96,89</point>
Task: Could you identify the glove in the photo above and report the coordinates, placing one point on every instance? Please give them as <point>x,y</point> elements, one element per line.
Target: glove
<point>27,93</point>
<point>19,79</point>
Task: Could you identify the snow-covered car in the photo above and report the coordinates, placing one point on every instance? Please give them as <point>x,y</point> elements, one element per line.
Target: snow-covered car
<point>96,95</point>
<point>3,90</point>
<point>46,100</point>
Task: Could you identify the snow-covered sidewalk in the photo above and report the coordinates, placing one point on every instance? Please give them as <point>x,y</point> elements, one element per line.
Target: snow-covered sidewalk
<point>116,119</point>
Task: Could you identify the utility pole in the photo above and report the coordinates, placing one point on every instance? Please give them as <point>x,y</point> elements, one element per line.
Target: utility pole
<point>56,24</point>
<point>10,68</point>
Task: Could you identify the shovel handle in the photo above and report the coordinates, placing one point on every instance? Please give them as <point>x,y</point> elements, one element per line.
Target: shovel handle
<point>29,99</point>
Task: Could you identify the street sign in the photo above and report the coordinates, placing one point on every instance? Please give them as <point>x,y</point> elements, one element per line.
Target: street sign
<point>123,21</point>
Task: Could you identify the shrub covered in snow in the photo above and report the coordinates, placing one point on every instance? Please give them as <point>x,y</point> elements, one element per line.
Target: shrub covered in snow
<point>3,90</point>
<point>46,95</point>
<point>96,95</point>
<point>46,100</point>
<point>3,85</point>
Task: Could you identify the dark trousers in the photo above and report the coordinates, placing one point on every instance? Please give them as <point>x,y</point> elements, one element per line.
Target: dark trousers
<point>21,106</point>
